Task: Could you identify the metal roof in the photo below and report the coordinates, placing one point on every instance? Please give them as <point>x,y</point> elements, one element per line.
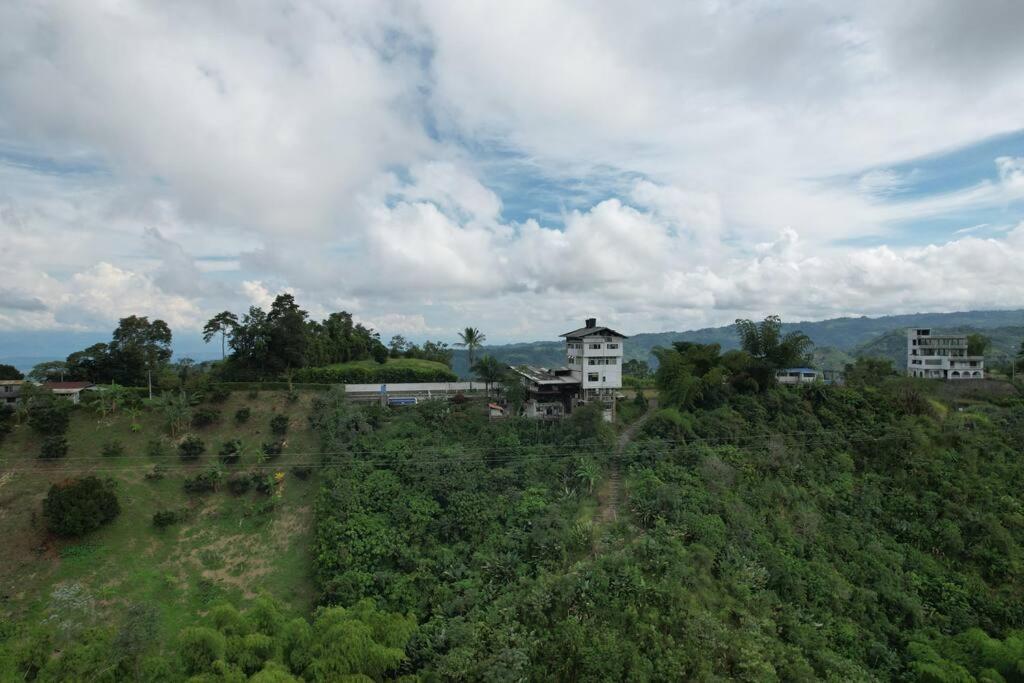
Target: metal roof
<point>543,375</point>
<point>593,331</point>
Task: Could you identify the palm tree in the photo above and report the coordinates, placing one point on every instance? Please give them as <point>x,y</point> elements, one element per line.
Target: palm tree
<point>588,471</point>
<point>472,339</point>
<point>488,370</point>
<point>765,342</point>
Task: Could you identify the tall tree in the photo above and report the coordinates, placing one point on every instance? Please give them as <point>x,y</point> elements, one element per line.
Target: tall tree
<point>977,344</point>
<point>224,323</point>
<point>138,348</point>
<point>472,339</point>
<point>50,371</point>
<point>288,333</point>
<point>92,364</point>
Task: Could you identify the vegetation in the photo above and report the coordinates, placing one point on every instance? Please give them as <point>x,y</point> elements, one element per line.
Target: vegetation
<point>78,506</point>
<point>471,339</point>
<point>370,372</point>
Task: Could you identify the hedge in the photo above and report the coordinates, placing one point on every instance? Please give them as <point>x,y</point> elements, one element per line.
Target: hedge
<point>377,375</point>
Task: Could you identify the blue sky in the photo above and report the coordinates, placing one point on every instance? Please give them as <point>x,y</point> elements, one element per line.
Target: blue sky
<point>427,166</point>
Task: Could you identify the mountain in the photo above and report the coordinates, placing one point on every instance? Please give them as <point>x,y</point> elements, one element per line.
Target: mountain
<point>836,340</point>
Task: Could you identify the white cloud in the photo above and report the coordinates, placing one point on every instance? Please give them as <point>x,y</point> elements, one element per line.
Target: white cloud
<point>346,153</point>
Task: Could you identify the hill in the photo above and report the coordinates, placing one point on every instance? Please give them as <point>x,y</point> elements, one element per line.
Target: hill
<point>226,546</point>
<point>839,334</point>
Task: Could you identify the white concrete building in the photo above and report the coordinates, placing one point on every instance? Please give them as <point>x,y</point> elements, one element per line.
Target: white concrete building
<point>594,356</point>
<point>797,376</point>
<point>941,356</point>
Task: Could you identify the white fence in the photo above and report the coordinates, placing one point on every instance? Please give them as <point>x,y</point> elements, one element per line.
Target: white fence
<point>418,389</point>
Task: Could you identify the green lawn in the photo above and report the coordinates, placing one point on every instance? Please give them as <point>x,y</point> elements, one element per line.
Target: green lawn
<point>229,547</point>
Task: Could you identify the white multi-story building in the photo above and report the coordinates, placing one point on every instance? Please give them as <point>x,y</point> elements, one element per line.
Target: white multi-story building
<point>941,356</point>
<point>593,372</point>
<point>594,356</point>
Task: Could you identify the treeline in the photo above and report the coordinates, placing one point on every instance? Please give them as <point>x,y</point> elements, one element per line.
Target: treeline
<point>273,344</point>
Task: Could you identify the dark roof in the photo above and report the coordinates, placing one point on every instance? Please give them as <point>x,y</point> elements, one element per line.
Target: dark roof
<point>68,385</point>
<point>588,331</point>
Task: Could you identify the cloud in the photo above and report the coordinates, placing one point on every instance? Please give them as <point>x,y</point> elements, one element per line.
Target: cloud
<point>678,160</point>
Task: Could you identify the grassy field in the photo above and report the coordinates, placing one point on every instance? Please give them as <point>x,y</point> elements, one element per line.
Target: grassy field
<point>397,363</point>
<point>229,547</point>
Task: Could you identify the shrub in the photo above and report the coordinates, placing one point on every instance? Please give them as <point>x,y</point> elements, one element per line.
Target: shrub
<point>242,415</point>
<point>191,447</point>
<point>53,447</point>
<point>264,483</point>
<point>279,424</point>
<point>50,417</point>
<point>218,394</point>
<point>230,451</point>
<point>157,448</point>
<point>239,483</point>
<point>113,449</point>
<point>292,396</point>
<point>302,471</point>
<point>77,506</point>
<point>156,474</point>
<point>165,518</point>
<point>273,449</point>
<point>253,393</point>
<point>204,417</point>
<point>204,482</point>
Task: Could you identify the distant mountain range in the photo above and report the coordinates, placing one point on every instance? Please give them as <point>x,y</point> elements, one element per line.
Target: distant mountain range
<point>837,340</point>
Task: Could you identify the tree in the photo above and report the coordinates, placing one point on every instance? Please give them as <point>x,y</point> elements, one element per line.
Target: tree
<point>176,409</point>
<point>224,323</point>
<point>488,370</point>
<point>397,345</point>
<point>139,347</point>
<point>48,415</point>
<point>78,506</point>
<point>770,349</point>
<point>380,353</point>
<point>50,371</point>
<point>92,364</point>
<point>472,339</point>
<point>636,368</point>
<point>10,372</point>
<point>977,344</point>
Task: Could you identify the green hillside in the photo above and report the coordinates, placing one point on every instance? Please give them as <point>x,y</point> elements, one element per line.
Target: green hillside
<point>227,547</point>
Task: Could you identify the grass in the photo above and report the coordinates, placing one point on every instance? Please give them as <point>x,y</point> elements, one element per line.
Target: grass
<point>227,547</point>
<point>397,363</point>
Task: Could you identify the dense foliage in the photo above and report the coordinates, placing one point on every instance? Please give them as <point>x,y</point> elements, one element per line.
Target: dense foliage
<point>78,506</point>
<point>792,533</point>
<point>361,374</point>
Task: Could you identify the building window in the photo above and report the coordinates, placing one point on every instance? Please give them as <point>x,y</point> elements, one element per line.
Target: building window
<point>591,376</point>
<point>595,346</point>
<point>613,346</point>
<point>611,361</point>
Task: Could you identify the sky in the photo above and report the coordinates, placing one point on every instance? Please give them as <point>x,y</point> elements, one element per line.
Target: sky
<point>512,166</point>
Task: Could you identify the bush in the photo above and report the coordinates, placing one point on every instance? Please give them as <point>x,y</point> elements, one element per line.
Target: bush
<point>242,415</point>
<point>292,396</point>
<point>204,417</point>
<point>165,518</point>
<point>50,417</point>
<point>156,474</point>
<point>204,482</point>
<point>273,449</point>
<point>230,451</point>
<point>253,393</point>
<point>239,483</point>
<point>199,648</point>
<point>78,506</point>
<point>264,483</point>
<point>218,394</point>
<point>53,447</point>
<point>279,424</point>
<point>302,471</point>
<point>157,448</point>
<point>191,447</point>
<point>113,449</point>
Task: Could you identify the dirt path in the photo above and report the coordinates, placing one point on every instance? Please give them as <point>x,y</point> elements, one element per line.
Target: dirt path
<point>609,494</point>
